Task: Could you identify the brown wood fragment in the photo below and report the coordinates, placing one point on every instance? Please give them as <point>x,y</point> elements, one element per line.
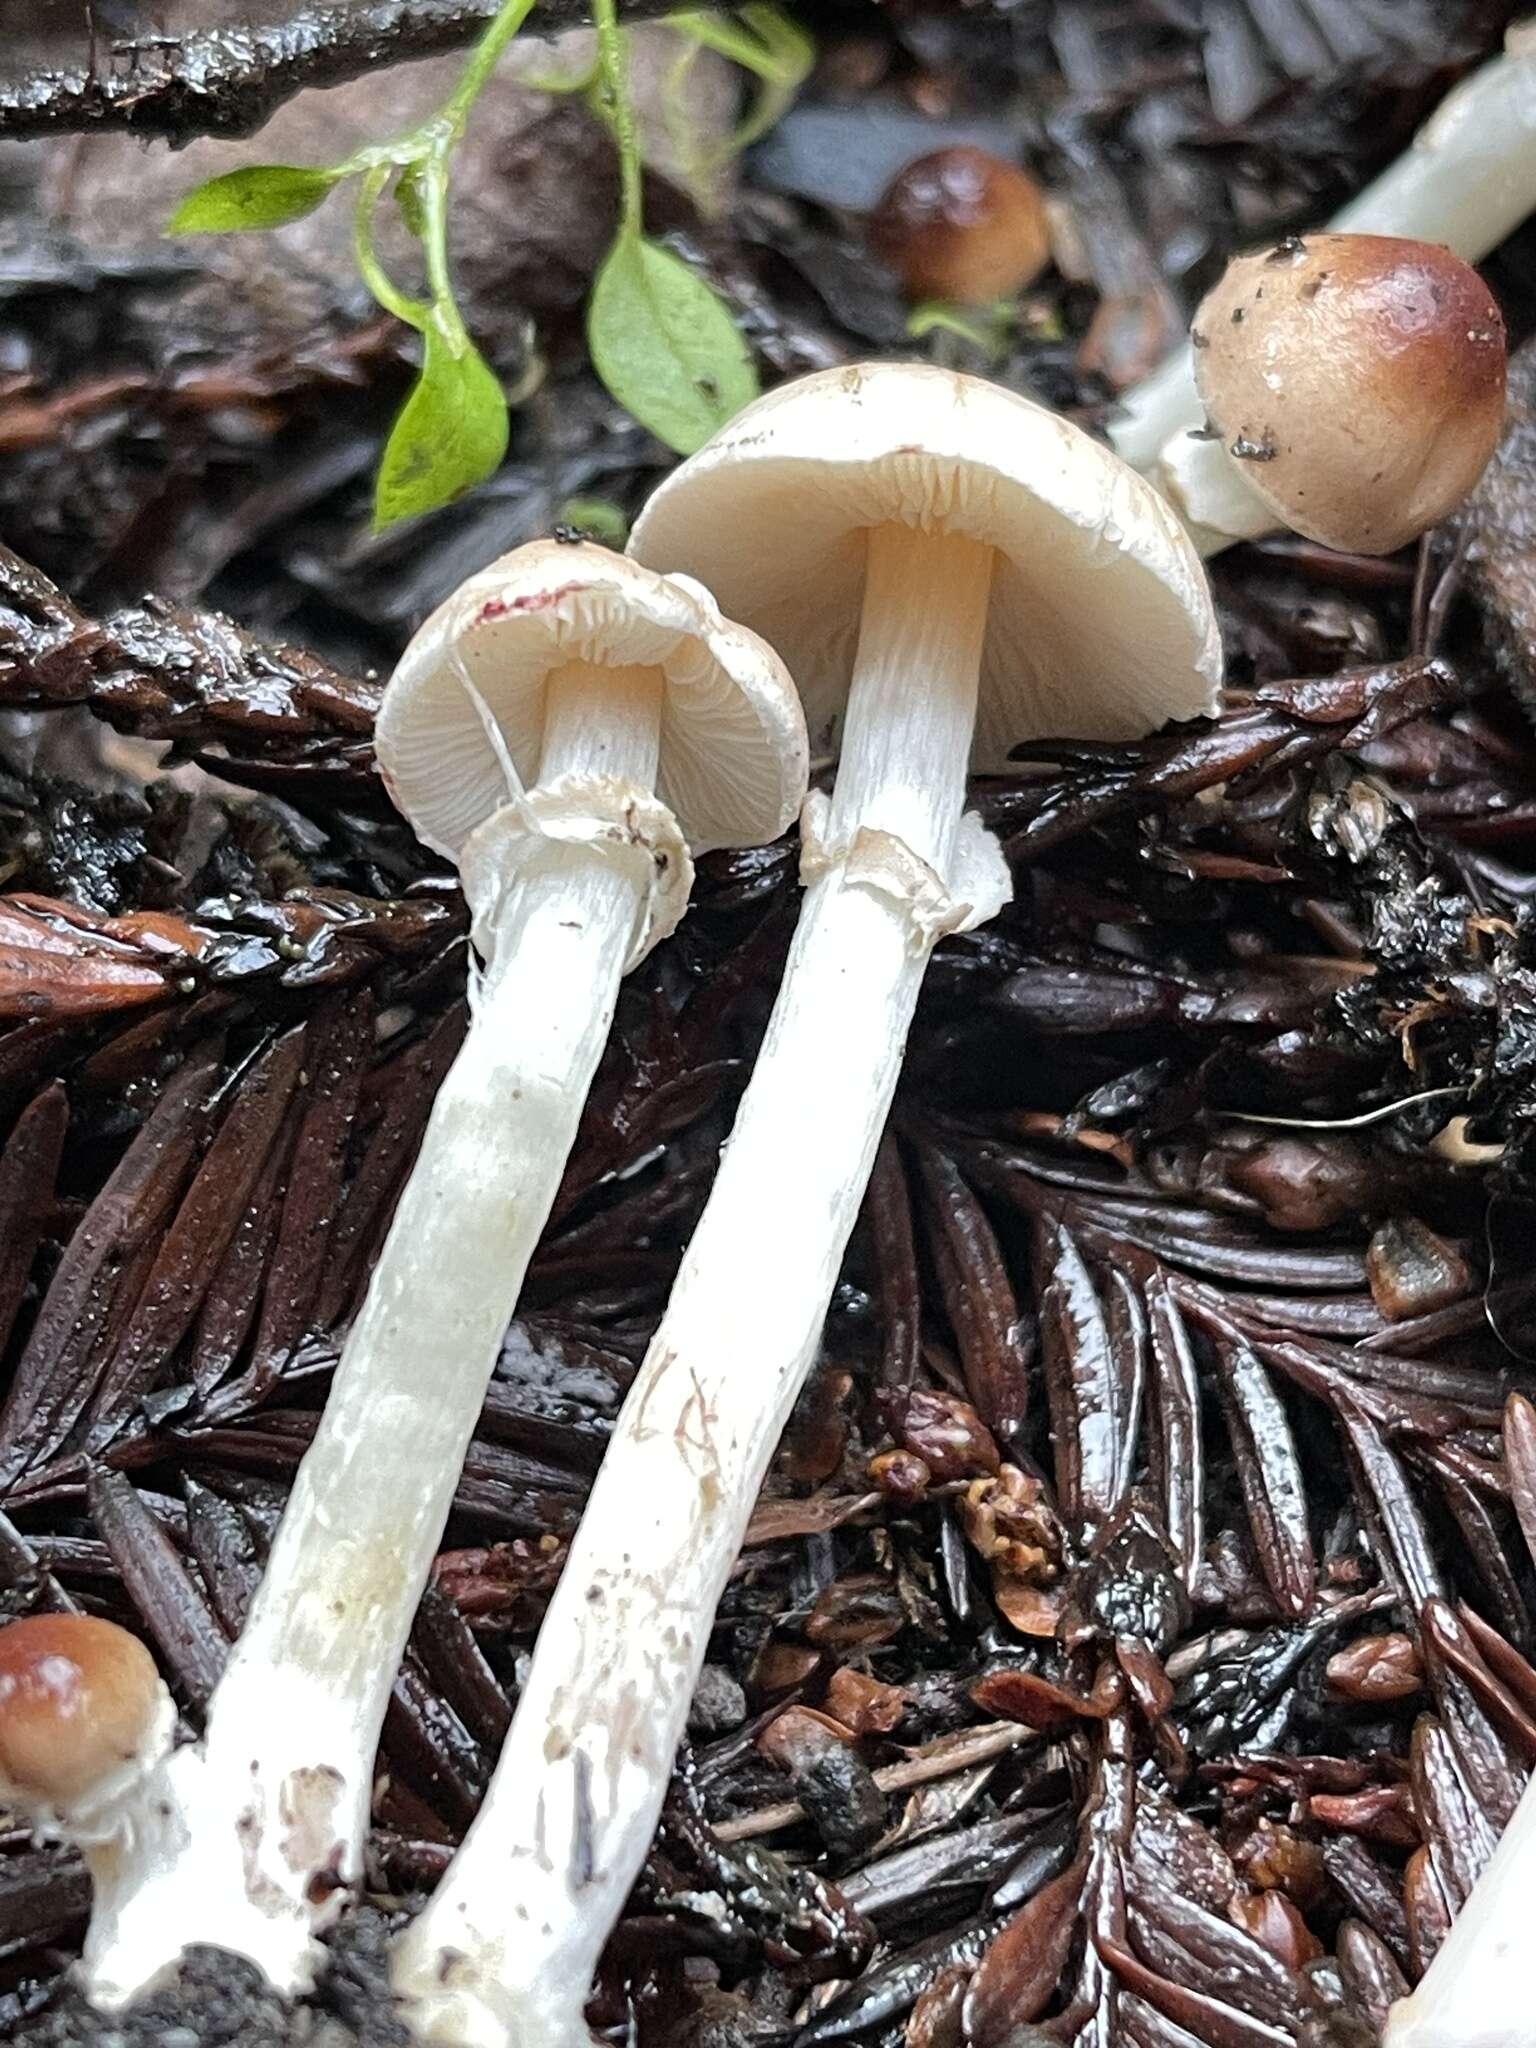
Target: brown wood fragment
<point>50,1388</point>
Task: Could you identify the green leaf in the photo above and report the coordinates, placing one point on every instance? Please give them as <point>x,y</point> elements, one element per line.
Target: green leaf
<point>985,327</point>
<point>665,344</point>
<point>766,42</point>
<point>260,196</point>
<point>598,518</point>
<point>451,433</point>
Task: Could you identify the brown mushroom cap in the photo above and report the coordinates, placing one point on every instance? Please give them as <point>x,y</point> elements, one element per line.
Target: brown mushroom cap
<point>961,224</point>
<point>1357,379</point>
<point>80,1701</point>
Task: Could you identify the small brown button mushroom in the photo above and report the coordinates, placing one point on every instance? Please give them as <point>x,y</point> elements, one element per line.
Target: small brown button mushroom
<point>86,1734</point>
<point>963,225</point>
<point>81,1708</point>
<point>1356,380</point>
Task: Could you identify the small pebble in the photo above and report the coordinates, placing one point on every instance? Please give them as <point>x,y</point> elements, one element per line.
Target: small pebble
<point>718,1704</point>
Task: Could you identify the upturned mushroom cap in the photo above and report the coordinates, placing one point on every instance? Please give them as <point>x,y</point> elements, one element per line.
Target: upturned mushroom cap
<point>467,699</point>
<point>1100,622</point>
<point>1358,380</point>
<point>82,1710</point>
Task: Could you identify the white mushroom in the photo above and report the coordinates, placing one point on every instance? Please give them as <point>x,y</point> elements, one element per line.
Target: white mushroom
<point>564,728</point>
<point>1354,386</point>
<point>947,569</point>
<point>84,1720</point>
<point>1467,180</point>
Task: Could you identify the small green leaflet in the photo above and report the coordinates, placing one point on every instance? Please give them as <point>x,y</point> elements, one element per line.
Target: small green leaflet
<point>260,196</point>
<point>665,345</point>
<point>598,518</point>
<point>451,433</point>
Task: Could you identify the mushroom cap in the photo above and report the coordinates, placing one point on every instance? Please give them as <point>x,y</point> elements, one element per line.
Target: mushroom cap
<point>1100,623</point>
<point>1358,380</point>
<point>962,224</point>
<point>732,759</point>
<point>81,1705</point>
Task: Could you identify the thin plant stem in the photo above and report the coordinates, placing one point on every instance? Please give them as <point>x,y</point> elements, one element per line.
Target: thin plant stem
<point>428,149</point>
<point>434,242</point>
<point>413,312</point>
<point>615,85</point>
<point>483,58</point>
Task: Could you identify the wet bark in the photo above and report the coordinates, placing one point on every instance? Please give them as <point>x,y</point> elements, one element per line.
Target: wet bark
<point>114,69</point>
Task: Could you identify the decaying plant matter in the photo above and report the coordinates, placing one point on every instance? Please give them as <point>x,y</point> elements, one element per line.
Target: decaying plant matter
<point>1132,1634</point>
<point>1213,1297</point>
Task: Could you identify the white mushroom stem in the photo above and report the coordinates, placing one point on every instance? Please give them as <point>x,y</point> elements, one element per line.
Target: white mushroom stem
<point>602,721</point>
<point>147,1836</point>
<point>1468,179</point>
<point>1480,1990</point>
<point>505,1951</point>
<point>274,1812</point>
